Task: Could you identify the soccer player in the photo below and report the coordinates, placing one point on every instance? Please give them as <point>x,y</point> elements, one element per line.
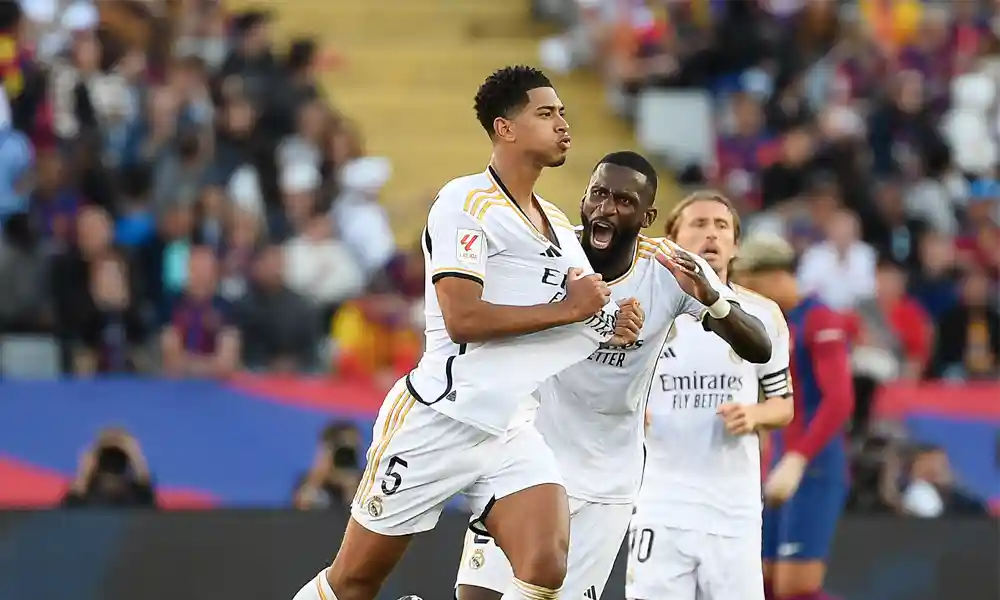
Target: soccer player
<point>808,485</point>
<point>591,413</point>
<point>696,532</point>
<point>509,303</point>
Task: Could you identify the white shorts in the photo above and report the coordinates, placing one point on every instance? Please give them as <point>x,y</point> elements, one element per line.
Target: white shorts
<point>678,564</point>
<point>420,458</point>
<point>596,532</point>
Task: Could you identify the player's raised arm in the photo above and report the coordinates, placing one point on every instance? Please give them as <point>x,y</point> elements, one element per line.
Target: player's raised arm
<point>744,332</point>
<point>458,246</point>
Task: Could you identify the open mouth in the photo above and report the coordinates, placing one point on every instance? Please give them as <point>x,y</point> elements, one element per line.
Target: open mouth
<point>601,234</point>
<point>565,143</point>
<point>709,251</point>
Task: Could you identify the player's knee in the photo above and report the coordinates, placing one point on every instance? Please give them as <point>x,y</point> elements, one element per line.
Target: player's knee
<point>543,565</point>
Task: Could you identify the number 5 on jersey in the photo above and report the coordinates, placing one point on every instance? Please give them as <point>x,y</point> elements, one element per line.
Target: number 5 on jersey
<point>392,471</point>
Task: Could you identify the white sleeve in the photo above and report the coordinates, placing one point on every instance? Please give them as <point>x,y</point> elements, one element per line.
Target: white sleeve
<point>773,375</point>
<point>455,242</point>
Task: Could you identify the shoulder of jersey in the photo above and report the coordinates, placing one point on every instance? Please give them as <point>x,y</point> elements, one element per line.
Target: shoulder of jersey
<point>649,247</point>
<point>480,197</point>
<point>763,302</point>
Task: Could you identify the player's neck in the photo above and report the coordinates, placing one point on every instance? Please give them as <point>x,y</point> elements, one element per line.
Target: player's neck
<point>614,266</point>
<point>517,177</point>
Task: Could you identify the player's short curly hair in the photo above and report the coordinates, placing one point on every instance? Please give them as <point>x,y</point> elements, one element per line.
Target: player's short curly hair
<point>505,93</point>
<point>765,252</point>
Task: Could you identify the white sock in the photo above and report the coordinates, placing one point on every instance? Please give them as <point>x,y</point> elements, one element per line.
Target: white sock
<point>318,588</point>
<point>520,590</point>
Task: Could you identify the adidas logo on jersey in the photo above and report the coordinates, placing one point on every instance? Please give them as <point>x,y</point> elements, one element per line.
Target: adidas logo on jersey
<point>451,396</point>
<point>551,252</point>
<point>668,353</point>
<point>590,593</point>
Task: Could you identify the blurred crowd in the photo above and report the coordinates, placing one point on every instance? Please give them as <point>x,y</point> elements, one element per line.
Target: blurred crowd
<point>178,195</point>
<point>867,133</point>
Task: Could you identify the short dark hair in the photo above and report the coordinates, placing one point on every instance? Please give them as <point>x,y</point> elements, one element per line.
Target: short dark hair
<point>634,161</point>
<point>505,92</point>
<point>301,54</point>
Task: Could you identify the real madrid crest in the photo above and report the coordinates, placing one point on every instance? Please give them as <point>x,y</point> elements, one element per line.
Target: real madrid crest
<point>477,560</point>
<point>736,358</point>
<point>374,507</point>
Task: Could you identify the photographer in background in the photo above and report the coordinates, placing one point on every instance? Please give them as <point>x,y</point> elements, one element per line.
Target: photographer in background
<point>112,473</point>
<point>334,475</point>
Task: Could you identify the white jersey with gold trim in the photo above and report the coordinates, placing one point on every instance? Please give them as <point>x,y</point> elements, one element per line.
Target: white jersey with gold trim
<point>475,231</point>
<point>591,413</point>
<point>698,476</point>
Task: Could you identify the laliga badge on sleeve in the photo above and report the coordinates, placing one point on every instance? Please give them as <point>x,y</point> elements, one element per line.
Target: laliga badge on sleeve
<point>469,246</point>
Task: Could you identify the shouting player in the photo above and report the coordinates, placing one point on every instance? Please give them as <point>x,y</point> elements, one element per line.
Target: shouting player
<point>508,305</point>
<point>696,532</point>
<point>808,485</point>
<point>591,413</point>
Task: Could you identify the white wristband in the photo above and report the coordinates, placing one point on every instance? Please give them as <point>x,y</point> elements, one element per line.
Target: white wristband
<point>720,308</point>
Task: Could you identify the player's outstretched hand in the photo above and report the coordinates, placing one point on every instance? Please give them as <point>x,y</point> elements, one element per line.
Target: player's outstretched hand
<point>784,480</point>
<point>586,295</point>
<point>689,275</point>
<point>738,418</point>
<point>628,323</point>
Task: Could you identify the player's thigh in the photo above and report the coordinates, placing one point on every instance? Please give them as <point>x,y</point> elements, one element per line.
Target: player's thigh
<point>418,459</point>
<point>596,532</point>
<point>484,566</point>
<point>805,536</point>
<point>729,568</point>
<point>522,504</point>
<point>661,563</point>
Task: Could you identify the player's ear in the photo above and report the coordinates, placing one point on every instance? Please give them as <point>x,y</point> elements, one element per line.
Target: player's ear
<point>504,129</point>
<point>649,217</point>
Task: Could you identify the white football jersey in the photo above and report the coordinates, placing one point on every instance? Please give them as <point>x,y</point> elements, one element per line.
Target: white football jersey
<point>474,230</point>
<point>698,476</point>
<point>591,413</point>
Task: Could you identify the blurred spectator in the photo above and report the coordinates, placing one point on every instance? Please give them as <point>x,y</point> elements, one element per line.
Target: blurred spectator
<point>375,335</point>
<point>85,289</point>
<point>26,304</point>
<point>82,95</point>
<point>935,283</point>
<point>252,59</point>
<point>979,241</point>
<point>841,270</point>
<point>360,221</point>
<point>112,473</point>
<point>16,161</point>
<point>280,329</point>
<point>894,233</point>
<point>894,338</point>
<point>320,267</point>
<point>200,340</point>
<point>931,490</point>
<point>334,475</point>
<point>968,343</point>
<point>111,329</point>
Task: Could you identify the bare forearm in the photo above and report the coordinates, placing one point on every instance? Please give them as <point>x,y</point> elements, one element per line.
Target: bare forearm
<point>744,332</point>
<point>481,321</point>
<point>774,413</point>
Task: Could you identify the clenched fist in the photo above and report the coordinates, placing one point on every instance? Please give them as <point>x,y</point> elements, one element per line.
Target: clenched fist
<point>628,323</point>
<point>585,295</point>
<point>784,480</point>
